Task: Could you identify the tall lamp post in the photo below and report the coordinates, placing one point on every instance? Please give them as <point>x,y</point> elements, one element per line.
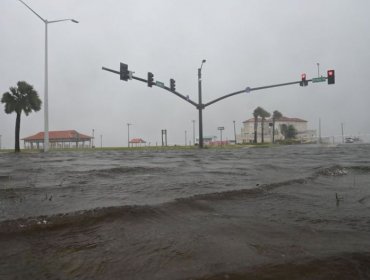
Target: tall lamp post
<point>200,105</point>
<point>46,103</point>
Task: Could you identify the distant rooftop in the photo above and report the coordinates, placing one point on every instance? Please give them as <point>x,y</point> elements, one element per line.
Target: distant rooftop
<point>137,141</point>
<point>282,119</point>
<point>66,135</point>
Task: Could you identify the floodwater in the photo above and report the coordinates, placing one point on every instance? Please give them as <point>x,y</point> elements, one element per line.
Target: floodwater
<point>286,212</point>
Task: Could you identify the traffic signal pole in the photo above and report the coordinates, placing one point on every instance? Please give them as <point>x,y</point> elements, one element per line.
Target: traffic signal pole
<point>200,106</point>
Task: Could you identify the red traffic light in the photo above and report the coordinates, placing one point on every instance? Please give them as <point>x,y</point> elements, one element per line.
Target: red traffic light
<point>331,77</point>
<point>303,83</point>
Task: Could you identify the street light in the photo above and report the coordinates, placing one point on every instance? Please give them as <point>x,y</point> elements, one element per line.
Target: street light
<point>200,105</point>
<point>46,105</point>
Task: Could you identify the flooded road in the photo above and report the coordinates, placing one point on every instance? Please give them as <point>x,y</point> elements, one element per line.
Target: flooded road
<point>283,212</point>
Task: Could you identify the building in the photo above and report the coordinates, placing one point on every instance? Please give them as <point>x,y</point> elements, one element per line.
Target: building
<point>58,140</point>
<point>137,142</point>
<point>247,131</point>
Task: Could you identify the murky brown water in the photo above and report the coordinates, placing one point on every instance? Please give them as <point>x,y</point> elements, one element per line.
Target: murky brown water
<point>297,212</point>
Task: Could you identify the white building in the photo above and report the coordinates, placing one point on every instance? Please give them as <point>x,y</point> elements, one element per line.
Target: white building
<point>247,131</point>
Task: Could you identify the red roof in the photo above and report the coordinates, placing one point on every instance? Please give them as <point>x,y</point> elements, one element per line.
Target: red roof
<point>137,141</point>
<point>72,135</point>
<point>282,119</point>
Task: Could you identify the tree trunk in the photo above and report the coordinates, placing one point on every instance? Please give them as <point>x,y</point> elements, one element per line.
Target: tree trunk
<point>262,125</point>
<point>17,129</point>
<point>255,130</point>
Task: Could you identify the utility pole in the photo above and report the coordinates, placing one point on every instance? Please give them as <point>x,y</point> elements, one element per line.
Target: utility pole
<point>128,134</point>
<point>101,141</point>
<point>186,138</point>
<point>318,69</point>
<point>342,133</point>
<point>0,141</point>
<point>164,137</point>
<point>234,133</point>
<point>220,129</point>
<point>200,105</point>
<point>92,143</point>
<point>319,130</point>
<point>193,132</point>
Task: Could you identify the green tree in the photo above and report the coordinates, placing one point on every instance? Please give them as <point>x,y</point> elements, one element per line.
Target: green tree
<point>284,130</point>
<point>292,132</point>
<point>21,98</point>
<point>263,114</point>
<point>276,115</point>
<point>288,131</point>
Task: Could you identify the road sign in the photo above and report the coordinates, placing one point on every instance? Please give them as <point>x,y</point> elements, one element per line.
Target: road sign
<point>220,128</point>
<point>318,80</point>
<point>159,84</point>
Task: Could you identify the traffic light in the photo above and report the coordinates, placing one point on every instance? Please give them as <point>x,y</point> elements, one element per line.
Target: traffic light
<point>124,73</point>
<point>172,85</point>
<point>303,82</point>
<point>331,77</point>
<point>150,79</point>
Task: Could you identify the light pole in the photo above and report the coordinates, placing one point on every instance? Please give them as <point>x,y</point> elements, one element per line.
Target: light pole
<point>234,133</point>
<point>318,69</point>
<point>101,141</point>
<point>319,130</point>
<point>46,102</point>
<point>220,129</point>
<point>0,141</point>
<point>200,105</point>
<point>186,138</point>
<point>193,132</point>
<point>93,137</point>
<point>128,134</point>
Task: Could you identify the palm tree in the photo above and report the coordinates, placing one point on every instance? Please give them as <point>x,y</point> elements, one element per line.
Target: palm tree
<point>275,116</point>
<point>284,130</point>
<point>256,114</point>
<point>264,114</point>
<point>21,98</point>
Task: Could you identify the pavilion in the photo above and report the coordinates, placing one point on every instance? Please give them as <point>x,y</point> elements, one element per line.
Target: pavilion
<point>58,140</point>
<point>137,142</point>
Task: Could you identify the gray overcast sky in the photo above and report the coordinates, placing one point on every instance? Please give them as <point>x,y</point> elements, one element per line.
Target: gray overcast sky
<point>246,43</point>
